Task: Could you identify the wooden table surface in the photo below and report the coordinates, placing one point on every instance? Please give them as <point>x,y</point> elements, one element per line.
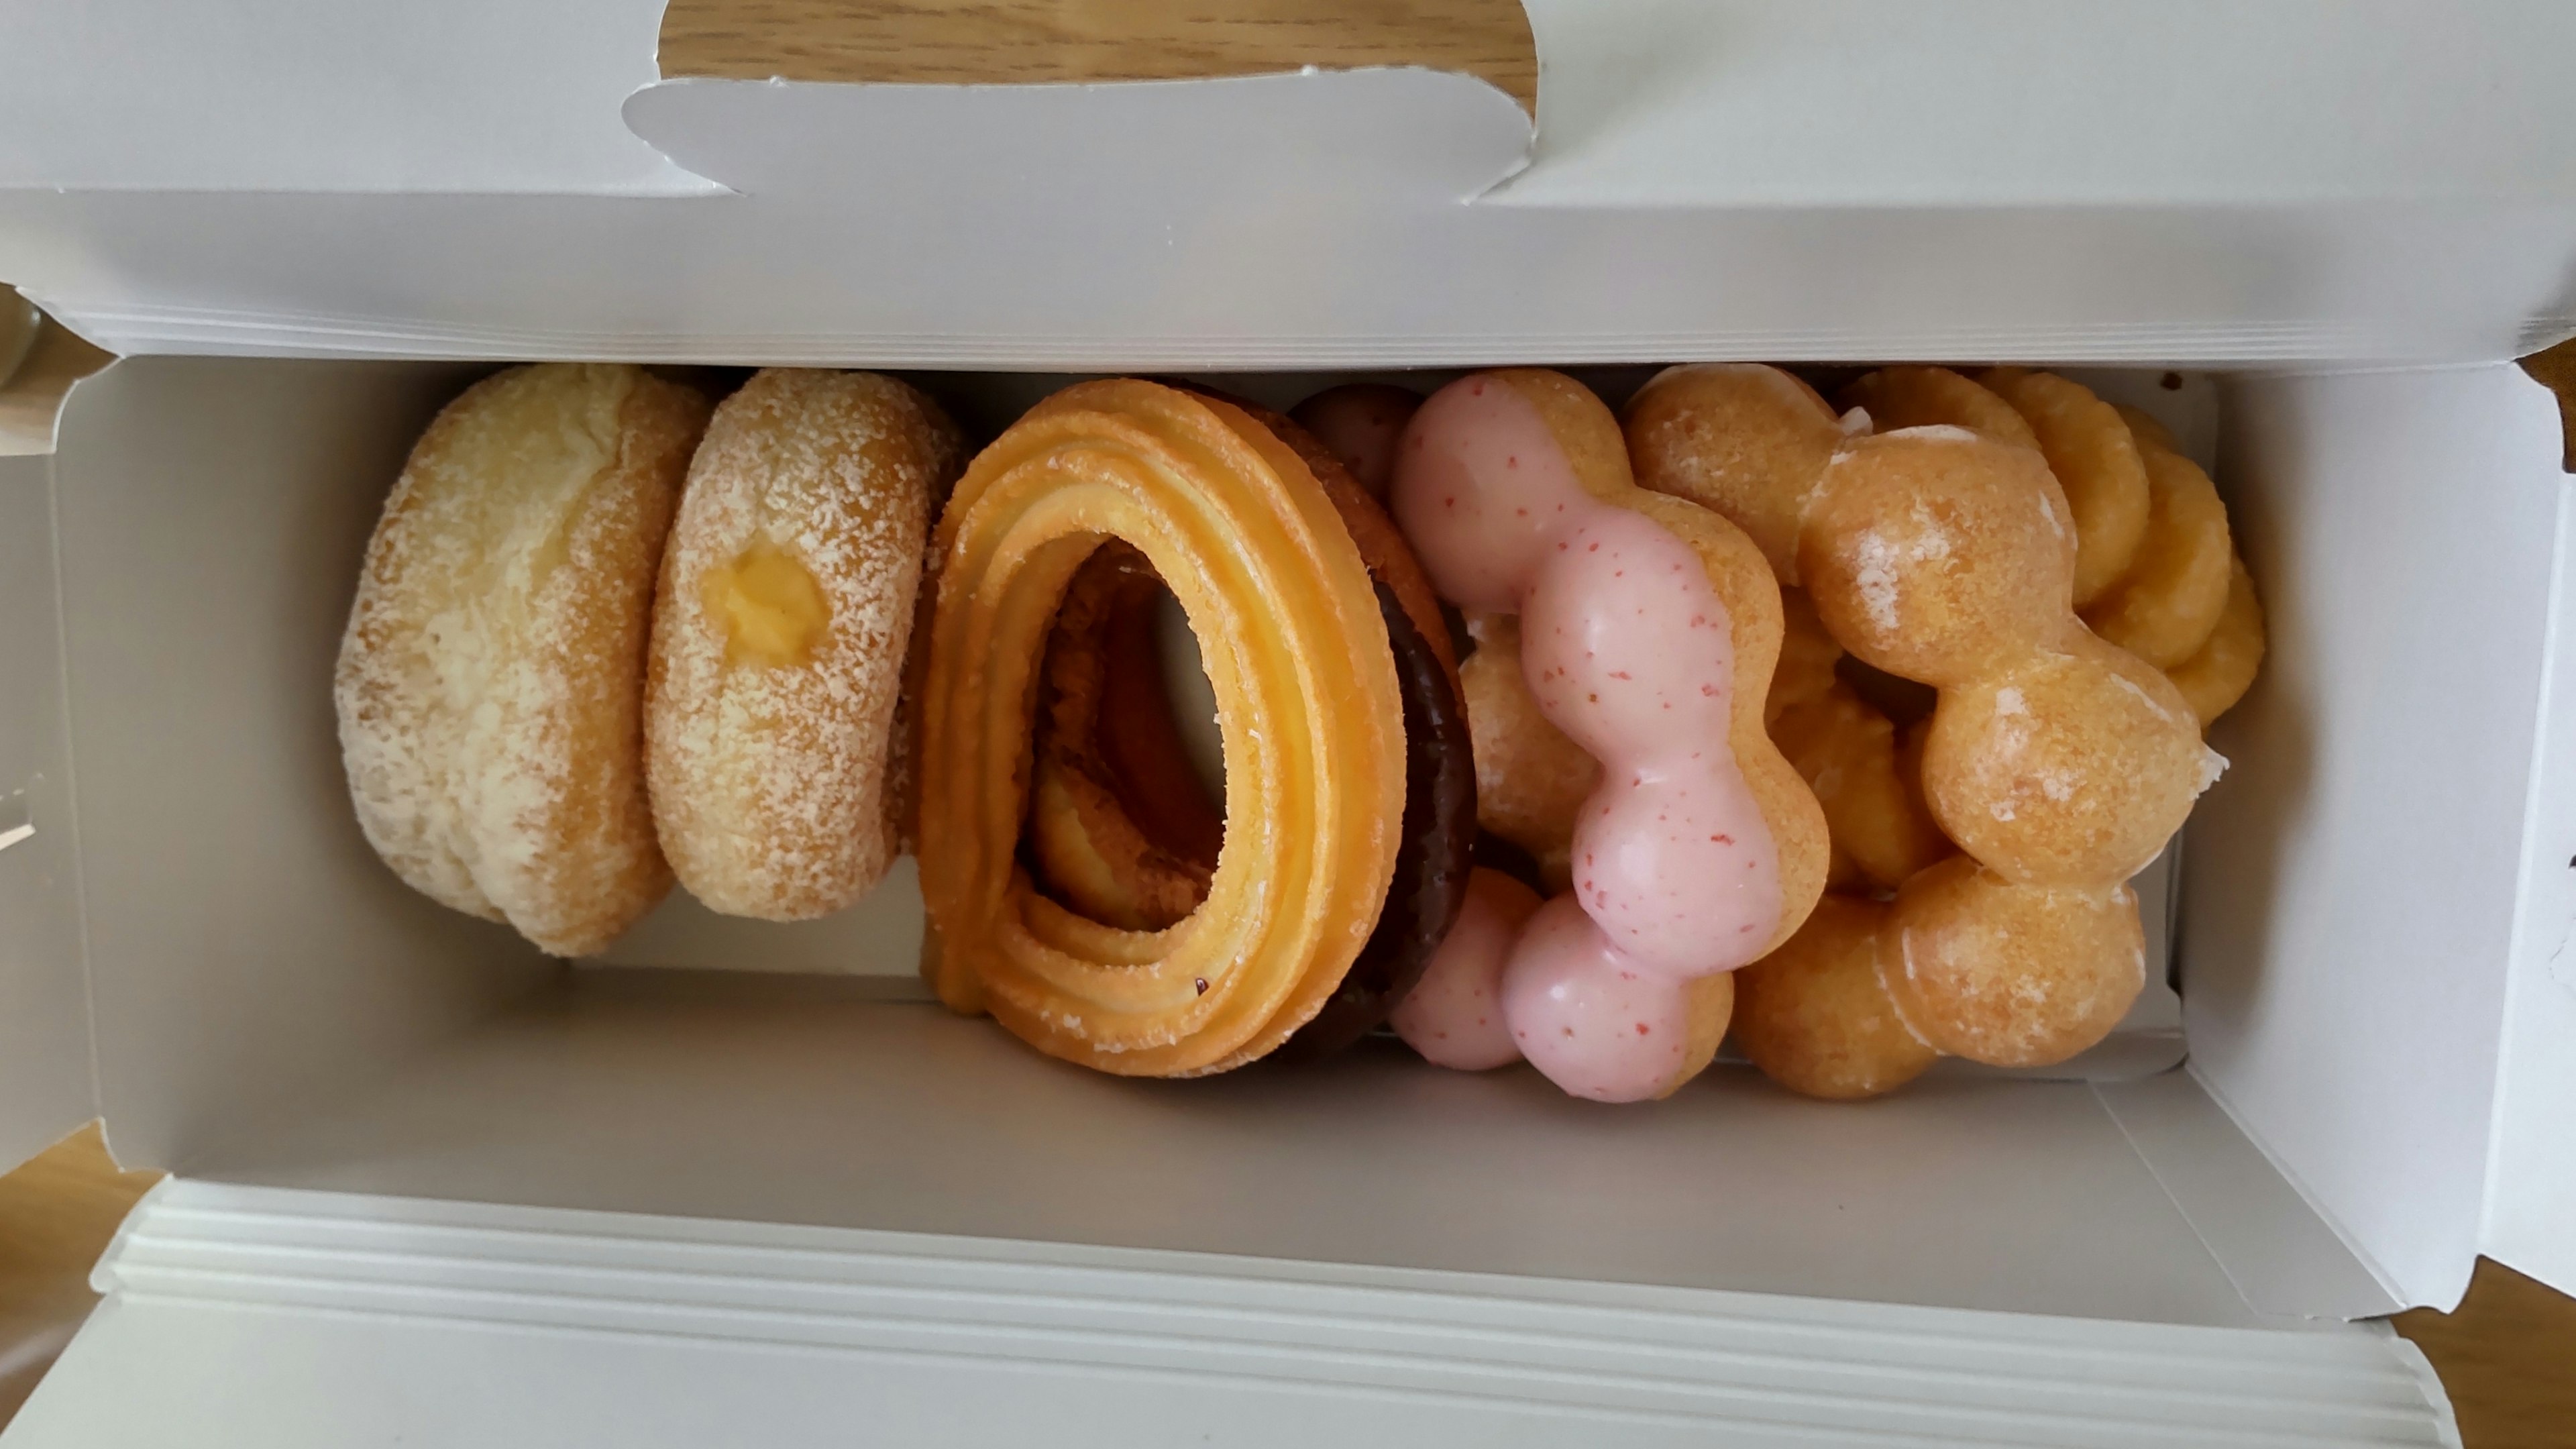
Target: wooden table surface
<point>2508,1355</point>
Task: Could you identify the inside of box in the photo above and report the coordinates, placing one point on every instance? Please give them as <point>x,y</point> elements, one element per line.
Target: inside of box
<point>272,1006</point>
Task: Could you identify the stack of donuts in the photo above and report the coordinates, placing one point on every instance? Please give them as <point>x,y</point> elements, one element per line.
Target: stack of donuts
<point>609,634</point>
<point>1548,734</point>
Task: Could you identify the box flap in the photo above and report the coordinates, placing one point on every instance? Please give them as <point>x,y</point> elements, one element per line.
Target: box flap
<point>1707,103</point>
<point>320,95</point>
<point>222,893</point>
<point>1725,180</point>
<point>1079,156</point>
<point>46,1085</point>
<point>2351,912</point>
<point>2531,1182</point>
<point>299,1320</point>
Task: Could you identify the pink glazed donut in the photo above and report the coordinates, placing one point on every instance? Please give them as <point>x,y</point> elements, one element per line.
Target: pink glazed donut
<point>1649,628</point>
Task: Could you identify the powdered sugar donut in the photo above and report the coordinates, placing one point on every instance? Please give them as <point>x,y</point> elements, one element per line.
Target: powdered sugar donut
<point>779,638</point>
<point>490,685</point>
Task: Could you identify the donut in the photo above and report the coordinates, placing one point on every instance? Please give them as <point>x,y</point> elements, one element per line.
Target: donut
<point>1152,830</point>
<point>1722,435</point>
<point>1815,1015</point>
<point>1310,701</point>
<point>1360,423</point>
<point>1808,657</point>
<point>2096,461</point>
<point>1531,781</point>
<point>1848,753</point>
<point>1454,1017</point>
<point>2219,673</point>
<point>2164,606</point>
<point>2011,975</point>
<point>1896,398</point>
<point>1649,628</point>
<point>779,636</point>
<point>490,683</point>
<point>2058,762</point>
<point>2054,757</point>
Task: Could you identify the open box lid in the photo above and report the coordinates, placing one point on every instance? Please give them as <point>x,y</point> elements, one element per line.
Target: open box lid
<point>2128,180</point>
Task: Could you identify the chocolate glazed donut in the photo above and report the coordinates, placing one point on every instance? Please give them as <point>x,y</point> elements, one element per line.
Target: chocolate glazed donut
<point>1114,858</point>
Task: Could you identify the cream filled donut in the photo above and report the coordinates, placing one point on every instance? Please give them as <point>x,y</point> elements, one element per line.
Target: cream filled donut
<point>1649,628</point>
<point>779,638</point>
<point>490,685</point>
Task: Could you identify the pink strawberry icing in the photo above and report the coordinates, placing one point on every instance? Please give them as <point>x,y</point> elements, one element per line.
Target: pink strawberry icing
<point>1627,649</point>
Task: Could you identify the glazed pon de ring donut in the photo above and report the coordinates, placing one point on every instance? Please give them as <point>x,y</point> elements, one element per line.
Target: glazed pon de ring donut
<point>1649,628</point>
<point>1308,703</point>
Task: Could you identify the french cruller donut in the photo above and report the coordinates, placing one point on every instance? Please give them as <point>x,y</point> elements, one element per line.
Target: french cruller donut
<point>1349,797</point>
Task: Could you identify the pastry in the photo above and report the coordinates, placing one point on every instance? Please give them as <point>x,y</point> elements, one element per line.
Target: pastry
<point>490,683</point>
<point>1150,830</point>
<point>779,637</point>
<point>1896,398</point>
<point>1360,422</point>
<point>1649,627</point>
<point>2154,559</point>
<point>1531,781</point>
<point>2059,762</point>
<point>1310,704</point>
<point>1815,1015</point>
<point>2011,975</point>
<point>2096,461</point>
<point>1454,1015</point>
<point>2219,673</point>
<point>1725,435</point>
<point>2164,605</point>
<point>2054,758</point>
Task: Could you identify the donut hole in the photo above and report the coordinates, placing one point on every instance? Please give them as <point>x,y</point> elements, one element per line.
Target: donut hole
<point>1127,776</point>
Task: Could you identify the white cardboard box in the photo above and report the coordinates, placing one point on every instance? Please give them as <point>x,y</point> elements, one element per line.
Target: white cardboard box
<point>430,1186</point>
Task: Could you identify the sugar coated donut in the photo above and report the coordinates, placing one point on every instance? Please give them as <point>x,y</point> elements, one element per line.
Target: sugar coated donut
<point>779,637</point>
<point>1309,702</point>
<point>1648,632</point>
<point>490,684</point>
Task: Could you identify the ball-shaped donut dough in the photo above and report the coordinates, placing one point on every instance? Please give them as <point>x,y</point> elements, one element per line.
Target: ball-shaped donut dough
<point>2012,975</point>
<point>491,683</point>
<point>780,634</point>
<point>1742,440</point>
<point>1815,1016</point>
